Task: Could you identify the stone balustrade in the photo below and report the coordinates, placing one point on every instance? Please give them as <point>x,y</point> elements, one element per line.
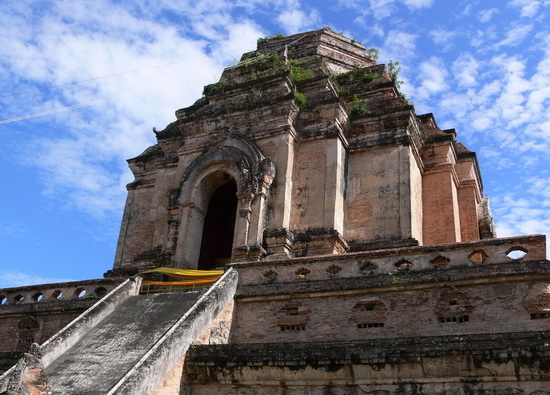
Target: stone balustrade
<point>56,292</point>
<point>392,261</point>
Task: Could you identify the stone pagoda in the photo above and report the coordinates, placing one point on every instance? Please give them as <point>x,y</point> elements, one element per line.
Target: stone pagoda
<point>358,249</point>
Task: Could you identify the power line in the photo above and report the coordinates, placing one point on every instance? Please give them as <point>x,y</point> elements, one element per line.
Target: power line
<point>112,75</point>
<point>91,103</point>
<point>55,111</point>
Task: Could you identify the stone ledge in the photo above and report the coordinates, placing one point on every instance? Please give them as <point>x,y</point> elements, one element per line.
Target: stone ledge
<point>538,241</point>
<point>530,349</point>
<point>401,281</point>
<point>55,294</point>
<point>68,284</point>
<point>49,307</point>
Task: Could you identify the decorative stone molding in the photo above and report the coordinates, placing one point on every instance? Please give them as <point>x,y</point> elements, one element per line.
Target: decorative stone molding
<point>319,242</point>
<point>486,222</point>
<point>256,178</point>
<point>381,262</point>
<point>440,262</point>
<point>249,253</point>
<point>279,243</point>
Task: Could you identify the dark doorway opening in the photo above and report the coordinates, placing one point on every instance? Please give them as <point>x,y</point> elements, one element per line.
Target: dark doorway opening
<point>219,226</point>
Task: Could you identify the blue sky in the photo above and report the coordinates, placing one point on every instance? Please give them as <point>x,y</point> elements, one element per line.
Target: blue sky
<point>82,84</point>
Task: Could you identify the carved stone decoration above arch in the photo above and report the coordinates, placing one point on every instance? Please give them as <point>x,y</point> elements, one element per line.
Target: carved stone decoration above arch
<point>253,170</point>
<point>228,158</point>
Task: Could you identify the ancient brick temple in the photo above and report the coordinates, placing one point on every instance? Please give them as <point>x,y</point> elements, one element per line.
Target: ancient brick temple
<point>358,250</point>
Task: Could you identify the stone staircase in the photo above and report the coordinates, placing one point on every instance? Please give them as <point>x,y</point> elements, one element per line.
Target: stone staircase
<point>125,344</point>
<point>103,356</point>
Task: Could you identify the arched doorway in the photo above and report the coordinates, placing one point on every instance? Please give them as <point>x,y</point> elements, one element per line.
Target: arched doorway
<point>219,227</point>
<point>251,174</point>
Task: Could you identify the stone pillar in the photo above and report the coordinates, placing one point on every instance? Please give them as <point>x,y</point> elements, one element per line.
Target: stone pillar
<point>278,238</point>
<point>257,221</point>
<point>334,186</point>
<point>280,243</point>
<point>250,223</point>
<point>242,221</point>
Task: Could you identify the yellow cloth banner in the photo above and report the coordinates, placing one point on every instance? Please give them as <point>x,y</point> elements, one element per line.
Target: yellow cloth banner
<point>164,283</point>
<point>187,273</point>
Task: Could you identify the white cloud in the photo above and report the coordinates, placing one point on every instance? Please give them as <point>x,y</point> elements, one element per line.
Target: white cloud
<point>12,230</point>
<point>72,42</point>
<point>466,11</point>
<point>485,16</point>
<point>480,122</point>
<point>515,36</point>
<point>496,98</point>
<point>379,8</point>
<point>529,8</point>
<point>465,70</point>
<point>418,3</point>
<point>296,20</point>
<point>512,97</point>
<point>239,38</point>
<point>526,211</point>
<point>456,105</point>
<point>10,279</point>
<point>540,186</point>
<point>433,78</point>
<point>382,9</point>
<point>399,45</point>
<point>480,38</point>
<point>443,37</point>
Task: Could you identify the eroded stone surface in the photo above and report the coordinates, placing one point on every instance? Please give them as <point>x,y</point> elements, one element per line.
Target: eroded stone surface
<point>110,350</point>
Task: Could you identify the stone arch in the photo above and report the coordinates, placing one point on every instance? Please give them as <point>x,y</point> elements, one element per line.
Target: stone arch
<point>239,156</point>
<point>232,158</point>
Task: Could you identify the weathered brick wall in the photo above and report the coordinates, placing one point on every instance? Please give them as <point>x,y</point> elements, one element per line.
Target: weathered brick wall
<point>468,200</point>
<point>460,365</point>
<point>309,185</point>
<point>380,196</point>
<point>281,149</point>
<point>440,206</point>
<point>14,335</point>
<point>394,311</point>
<point>419,291</point>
